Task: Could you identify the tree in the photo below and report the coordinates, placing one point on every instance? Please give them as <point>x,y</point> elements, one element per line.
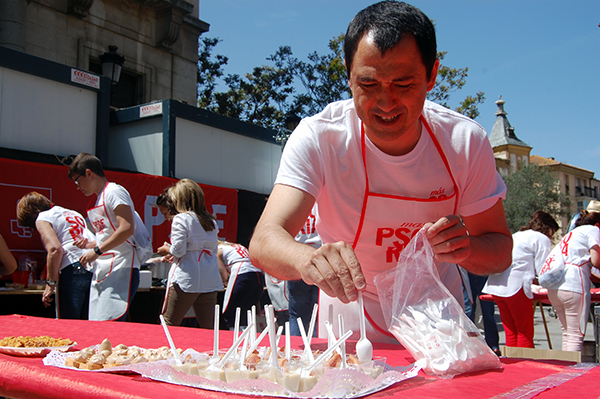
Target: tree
<point>450,80</point>
<point>289,86</point>
<point>530,189</point>
<point>209,70</point>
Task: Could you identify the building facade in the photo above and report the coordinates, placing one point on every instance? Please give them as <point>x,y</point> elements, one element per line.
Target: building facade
<point>158,38</point>
<point>511,153</point>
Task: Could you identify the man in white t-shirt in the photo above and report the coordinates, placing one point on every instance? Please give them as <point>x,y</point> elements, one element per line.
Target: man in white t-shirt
<point>113,257</point>
<point>381,166</point>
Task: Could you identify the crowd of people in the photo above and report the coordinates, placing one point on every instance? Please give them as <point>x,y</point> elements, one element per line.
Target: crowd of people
<point>356,182</point>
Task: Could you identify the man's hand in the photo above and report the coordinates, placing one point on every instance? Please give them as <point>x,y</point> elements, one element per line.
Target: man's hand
<point>449,238</point>
<point>335,269</point>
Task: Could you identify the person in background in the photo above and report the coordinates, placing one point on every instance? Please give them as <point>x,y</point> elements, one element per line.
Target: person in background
<point>382,166</point>
<point>303,297</point>
<point>592,206</point>
<point>194,278</point>
<point>8,263</point>
<point>580,251</point>
<point>511,289</point>
<point>488,309</point>
<point>116,267</point>
<point>245,284</point>
<point>59,228</point>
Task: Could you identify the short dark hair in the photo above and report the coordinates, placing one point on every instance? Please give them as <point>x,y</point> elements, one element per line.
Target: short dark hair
<point>544,223</point>
<point>389,21</point>
<point>85,161</point>
<point>30,206</point>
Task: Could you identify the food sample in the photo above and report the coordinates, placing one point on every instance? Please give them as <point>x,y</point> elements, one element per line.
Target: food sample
<point>105,356</point>
<point>34,342</point>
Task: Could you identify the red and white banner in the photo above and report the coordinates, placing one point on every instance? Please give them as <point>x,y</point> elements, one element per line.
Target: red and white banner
<point>17,178</point>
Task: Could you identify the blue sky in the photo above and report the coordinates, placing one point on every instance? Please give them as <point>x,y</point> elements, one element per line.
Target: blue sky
<point>542,57</point>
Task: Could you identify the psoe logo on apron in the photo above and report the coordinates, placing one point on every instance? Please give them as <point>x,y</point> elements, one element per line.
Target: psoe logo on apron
<point>396,239</point>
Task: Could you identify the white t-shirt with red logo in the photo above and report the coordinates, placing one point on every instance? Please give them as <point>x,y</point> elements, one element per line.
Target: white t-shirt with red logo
<point>323,157</point>
<point>68,225</point>
<point>237,253</point>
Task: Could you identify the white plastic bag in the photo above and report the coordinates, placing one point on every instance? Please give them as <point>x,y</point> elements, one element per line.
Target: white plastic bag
<point>552,274</point>
<point>141,239</point>
<point>426,318</point>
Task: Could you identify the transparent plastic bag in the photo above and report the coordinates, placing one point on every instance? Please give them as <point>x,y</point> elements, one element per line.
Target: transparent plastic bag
<point>425,317</point>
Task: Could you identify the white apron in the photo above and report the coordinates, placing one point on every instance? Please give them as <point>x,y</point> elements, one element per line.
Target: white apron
<point>378,243</point>
<point>233,273</point>
<point>171,278</point>
<point>109,293</point>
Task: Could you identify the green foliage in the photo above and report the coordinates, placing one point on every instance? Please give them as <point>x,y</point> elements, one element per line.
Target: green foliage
<point>530,189</point>
<point>289,86</point>
<point>450,80</point>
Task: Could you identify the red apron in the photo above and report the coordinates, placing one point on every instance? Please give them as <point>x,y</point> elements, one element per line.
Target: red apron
<point>380,239</point>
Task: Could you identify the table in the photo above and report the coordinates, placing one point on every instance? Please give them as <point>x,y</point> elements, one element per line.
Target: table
<point>28,378</point>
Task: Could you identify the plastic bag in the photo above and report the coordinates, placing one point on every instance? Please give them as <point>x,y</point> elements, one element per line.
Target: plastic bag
<point>552,274</point>
<point>425,317</point>
<point>141,240</point>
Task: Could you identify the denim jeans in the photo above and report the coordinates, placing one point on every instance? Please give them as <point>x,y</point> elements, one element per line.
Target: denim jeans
<point>490,328</point>
<point>302,300</point>
<point>133,286</point>
<point>246,291</point>
<point>73,294</point>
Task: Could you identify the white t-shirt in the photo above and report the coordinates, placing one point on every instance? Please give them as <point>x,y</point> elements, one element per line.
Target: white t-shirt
<point>115,195</point>
<point>530,250</point>
<point>238,254</point>
<point>575,247</point>
<point>323,157</point>
<point>67,225</point>
<point>197,266</point>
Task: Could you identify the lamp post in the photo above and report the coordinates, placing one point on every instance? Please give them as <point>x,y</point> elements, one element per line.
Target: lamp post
<point>112,62</point>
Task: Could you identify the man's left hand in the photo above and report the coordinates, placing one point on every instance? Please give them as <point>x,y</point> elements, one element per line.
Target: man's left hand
<point>449,238</point>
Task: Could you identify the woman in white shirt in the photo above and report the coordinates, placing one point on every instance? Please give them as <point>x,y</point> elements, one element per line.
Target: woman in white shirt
<point>511,289</point>
<point>580,250</point>
<point>59,229</point>
<point>194,278</point>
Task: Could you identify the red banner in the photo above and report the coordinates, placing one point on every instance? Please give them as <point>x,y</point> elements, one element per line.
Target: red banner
<point>17,178</point>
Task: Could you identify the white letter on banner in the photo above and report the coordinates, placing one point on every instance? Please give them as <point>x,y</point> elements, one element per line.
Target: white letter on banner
<point>222,209</point>
<point>149,218</point>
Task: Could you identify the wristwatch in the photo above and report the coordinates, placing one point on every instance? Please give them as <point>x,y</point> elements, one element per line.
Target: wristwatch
<point>97,250</point>
<point>51,282</point>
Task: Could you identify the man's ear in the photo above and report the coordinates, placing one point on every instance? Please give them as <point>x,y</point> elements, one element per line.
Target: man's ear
<point>433,76</point>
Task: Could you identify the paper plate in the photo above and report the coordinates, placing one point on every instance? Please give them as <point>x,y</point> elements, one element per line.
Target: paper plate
<point>41,351</point>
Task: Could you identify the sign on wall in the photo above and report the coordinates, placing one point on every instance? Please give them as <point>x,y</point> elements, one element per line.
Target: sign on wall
<point>17,178</point>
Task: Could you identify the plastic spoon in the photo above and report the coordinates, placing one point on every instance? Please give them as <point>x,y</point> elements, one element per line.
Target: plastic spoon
<point>364,347</point>
<point>343,345</point>
<point>307,350</point>
<point>330,350</point>
<point>311,325</point>
<point>216,333</point>
<point>171,344</point>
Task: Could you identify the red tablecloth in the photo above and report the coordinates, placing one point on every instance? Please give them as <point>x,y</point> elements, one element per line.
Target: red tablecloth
<point>28,378</point>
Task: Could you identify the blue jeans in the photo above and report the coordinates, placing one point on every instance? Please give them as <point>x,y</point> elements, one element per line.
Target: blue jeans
<point>133,286</point>
<point>302,300</point>
<point>73,294</point>
<point>488,308</point>
<point>246,292</point>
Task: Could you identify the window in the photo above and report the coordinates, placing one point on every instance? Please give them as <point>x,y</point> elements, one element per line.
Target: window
<point>130,89</point>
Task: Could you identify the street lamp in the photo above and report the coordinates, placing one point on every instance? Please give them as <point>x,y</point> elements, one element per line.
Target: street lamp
<point>111,64</point>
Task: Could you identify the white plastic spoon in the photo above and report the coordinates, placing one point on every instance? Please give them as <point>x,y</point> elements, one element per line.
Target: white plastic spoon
<point>170,340</point>
<point>364,347</point>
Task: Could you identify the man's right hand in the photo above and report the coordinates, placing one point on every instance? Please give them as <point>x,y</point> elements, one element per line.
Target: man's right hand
<point>335,269</point>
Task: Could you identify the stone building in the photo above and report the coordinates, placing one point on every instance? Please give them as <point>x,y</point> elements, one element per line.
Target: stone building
<point>158,38</point>
<point>511,153</point>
